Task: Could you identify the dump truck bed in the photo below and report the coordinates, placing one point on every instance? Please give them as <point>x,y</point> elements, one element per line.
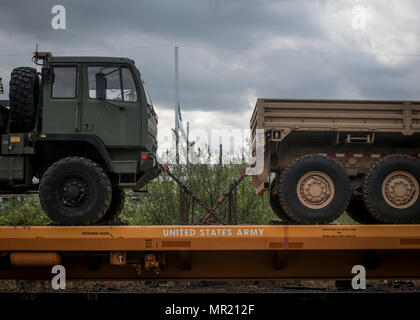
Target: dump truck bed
<point>337,115</point>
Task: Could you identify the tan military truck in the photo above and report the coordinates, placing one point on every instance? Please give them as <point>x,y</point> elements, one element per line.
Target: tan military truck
<point>324,157</point>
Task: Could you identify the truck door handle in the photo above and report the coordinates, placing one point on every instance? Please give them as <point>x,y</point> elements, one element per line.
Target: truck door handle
<point>88,126</point>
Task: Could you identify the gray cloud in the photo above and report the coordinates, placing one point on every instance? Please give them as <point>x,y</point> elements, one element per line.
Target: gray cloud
<point>221,64</point>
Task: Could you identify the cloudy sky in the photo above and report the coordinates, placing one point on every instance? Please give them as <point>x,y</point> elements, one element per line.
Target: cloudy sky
<point>232,51</point>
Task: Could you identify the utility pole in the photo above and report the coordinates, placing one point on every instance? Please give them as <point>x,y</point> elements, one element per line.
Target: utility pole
<point>188,143</point>
<point>176,107</point>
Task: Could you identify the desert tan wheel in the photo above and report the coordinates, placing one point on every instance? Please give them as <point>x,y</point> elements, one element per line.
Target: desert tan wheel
<point>400,189</point>
<point>391,189</point>
<point>315,190</point>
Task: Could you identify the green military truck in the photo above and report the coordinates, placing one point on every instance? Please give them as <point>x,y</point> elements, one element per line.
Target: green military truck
<point>79,130</point>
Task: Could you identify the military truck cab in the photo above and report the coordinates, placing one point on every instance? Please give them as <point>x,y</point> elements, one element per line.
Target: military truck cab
<point>86,128</point>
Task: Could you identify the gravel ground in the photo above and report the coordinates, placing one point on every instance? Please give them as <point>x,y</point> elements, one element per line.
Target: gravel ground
<point>213,286</point>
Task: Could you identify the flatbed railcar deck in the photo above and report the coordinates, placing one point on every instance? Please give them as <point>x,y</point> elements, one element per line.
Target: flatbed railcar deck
<point>211,252</point>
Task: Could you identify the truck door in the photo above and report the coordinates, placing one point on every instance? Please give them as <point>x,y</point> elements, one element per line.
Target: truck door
<point>61,107</point>
<point>116,117</point>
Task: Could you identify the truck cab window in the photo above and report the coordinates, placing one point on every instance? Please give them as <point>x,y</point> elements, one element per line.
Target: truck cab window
<point>113,82</point>
<point>120,85</point>
<point>129,87</point>
<point>64,85</point>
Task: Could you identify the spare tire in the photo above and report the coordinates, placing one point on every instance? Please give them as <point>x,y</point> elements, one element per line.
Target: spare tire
<point>23,96</point>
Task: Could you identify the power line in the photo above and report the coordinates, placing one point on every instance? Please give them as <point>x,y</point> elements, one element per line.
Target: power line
<point>227,48</point>
<point>299,50</point>
<point>91,50</point>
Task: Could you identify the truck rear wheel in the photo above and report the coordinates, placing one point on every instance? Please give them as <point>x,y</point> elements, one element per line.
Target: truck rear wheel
<point>314,190</point>
<point>359,213</point>
<point>75,191</point>
<point>23,96</point>
<point>391,189</point>
<point>275,201</point>
<point>116,206</point>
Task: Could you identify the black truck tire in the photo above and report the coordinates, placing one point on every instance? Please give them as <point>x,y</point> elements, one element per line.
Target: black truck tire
<point>23,95</point>
<point>391,190</point>
<point>274,200</point>
<point>75,191</point>
<point>359,213</point>
<point>116,206</point>
<point>314,190</point>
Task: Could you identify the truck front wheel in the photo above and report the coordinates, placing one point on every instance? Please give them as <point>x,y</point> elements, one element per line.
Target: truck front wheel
<point>75,191</point>
<point>314,190</point>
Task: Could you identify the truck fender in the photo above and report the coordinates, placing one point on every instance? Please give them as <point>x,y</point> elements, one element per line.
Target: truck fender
<point>93,140</point>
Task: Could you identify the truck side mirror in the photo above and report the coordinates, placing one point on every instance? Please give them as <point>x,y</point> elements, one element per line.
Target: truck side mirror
<point>100,86</point>
<point>1,87</point>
